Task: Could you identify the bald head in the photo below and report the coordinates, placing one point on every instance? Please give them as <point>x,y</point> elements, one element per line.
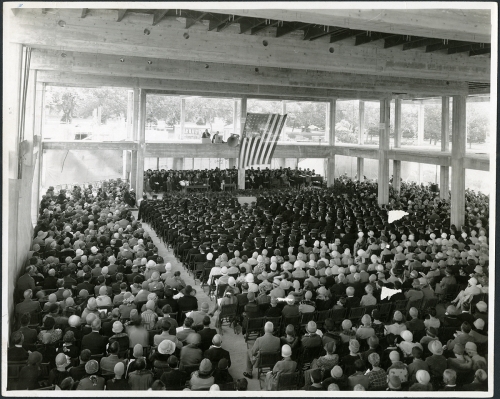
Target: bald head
<point>268,327</point>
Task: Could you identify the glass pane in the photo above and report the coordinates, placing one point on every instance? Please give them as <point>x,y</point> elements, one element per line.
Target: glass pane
<point>372,123</point>
<point>479,180</point>
<point>478,125</point>
<point>347,122</point>
<point>306,123</point>
<point>95,114</point>
<point>80,166</point>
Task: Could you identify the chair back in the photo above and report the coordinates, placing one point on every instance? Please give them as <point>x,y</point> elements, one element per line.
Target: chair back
<point>13,369</point>
<point>355,314</point>
<point>287,381</point>
<point>276,323</point>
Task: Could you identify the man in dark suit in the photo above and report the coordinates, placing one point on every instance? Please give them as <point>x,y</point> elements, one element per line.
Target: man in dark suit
<point>16,353</point>
<point>172,377</point>
<point>351,300</point>
<point>28,305</point>
<point>216,352</point>
<point>29,334</point>
<point>188,301</point>
<point>206,334</point>
<point>94,341</point>
<point>86,285</point>
<point>266,343</point>
<point>78,372</point>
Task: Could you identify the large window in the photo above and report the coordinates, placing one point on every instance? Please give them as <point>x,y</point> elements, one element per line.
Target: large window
<point>306,122</point>
<point>95,114</point>
<point>478,125</point>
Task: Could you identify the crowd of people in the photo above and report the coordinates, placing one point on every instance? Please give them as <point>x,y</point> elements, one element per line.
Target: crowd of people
<point>174,180</point>
<point>97,307</point>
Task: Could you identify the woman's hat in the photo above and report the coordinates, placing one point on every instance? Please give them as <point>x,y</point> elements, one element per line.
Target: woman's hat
<point>166,347</point>
<point>286,351</point>
<point>435,347</point>
<point>92,367</point>
<point>117,327</point>
<point>205,366</point>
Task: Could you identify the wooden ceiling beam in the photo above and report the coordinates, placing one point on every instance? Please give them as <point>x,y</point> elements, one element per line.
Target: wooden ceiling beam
<point>44,10</point>
<point>371,37</point>
<point>261,27</point>
<point>106,65</point>
<point>158,16</point>
<point>420,42</point>
<point>190,20</point>
<point>234,20</point>
<point>94,36</point>
<point>84,12</point>
<point>218,20</point>
<point>443,45</point>
<point>247,24</point>
<point>289,27</point>
<point>468,47</point>
<point>447,23</point>
<point>341,35</point>
<point>313,32</point>
<point>121,15</point>
<point>394,41</point>
<point>483,51</point>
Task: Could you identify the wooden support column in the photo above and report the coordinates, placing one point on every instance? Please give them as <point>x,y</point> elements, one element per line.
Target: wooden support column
<point>232,163</point>
<point>183,117</point>
<point>39,106</point>
<point>243,117</point>
<point>178,164</point>
<point>444,175</point>
<point>130,129</point>
<point>330,168</point>
<point>420,124</point>
<point>383,161</point>
<point>135,135</point>
<point>235,117</point>
<point>283,112</point>
<point>396,165</point>
<point>361,161</point>
<point>459,138</point>
<point>141,151</point>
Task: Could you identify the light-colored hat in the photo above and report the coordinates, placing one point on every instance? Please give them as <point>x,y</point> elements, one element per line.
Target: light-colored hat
<point>286,351</point>
<point>117,327</point>
<point>435,347</point>
<point>166,347</point>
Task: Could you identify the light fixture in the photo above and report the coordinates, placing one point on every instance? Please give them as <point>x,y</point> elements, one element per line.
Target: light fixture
<point>122,59</point>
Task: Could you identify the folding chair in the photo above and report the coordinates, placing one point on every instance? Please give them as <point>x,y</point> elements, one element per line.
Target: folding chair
<point>266,360</point>
<point>355,314</point>
<point>305,318</point>
<point>13,369</point>
<point>254,328</point>
<point>307,355</point>
<point>288,381</point>
<point>384,310</point>
<point>276,323</point>
<point>338,316</point>
<point>320,316</point>
<point>227,314</point>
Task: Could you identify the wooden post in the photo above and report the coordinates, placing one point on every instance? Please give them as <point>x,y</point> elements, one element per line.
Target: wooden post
<point>330,168</point>
<point>459,139</point>
<point>235,116</point>
<point>243,117</point>
<point>183,117</point>
<point>444,175</point>
<point>396,165</point>
<point>141,151</point>
<point>360,161</point>
<point>178,164</point>
<point>135,135</point>
<point>420,124</point>
<point>283,112</point>
<point>130,129</point>
<point>232,163</point>
<point>383,161</point>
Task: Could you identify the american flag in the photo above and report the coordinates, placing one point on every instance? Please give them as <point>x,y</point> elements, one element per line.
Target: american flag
<point>260,136</point>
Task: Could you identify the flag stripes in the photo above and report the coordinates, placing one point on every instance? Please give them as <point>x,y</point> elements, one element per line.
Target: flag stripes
<point>260,136</point>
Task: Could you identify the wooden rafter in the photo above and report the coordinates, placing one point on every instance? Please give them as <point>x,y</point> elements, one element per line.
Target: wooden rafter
<point>84,12</point>
<point>482,51</point>
<point>234,19</point>
<point>158,16</point>
<point>191,19</point>
<point>371,37</point>
<point>266,25</point>
<point>420,42</point>
<point>395,41</point>
<point>121,15</point>
<point>443,45</point>
<point>289,27</point>
<point>315,32</point>
<point>468,47</point>
<point>345,34</point>
<point>247,24</point>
